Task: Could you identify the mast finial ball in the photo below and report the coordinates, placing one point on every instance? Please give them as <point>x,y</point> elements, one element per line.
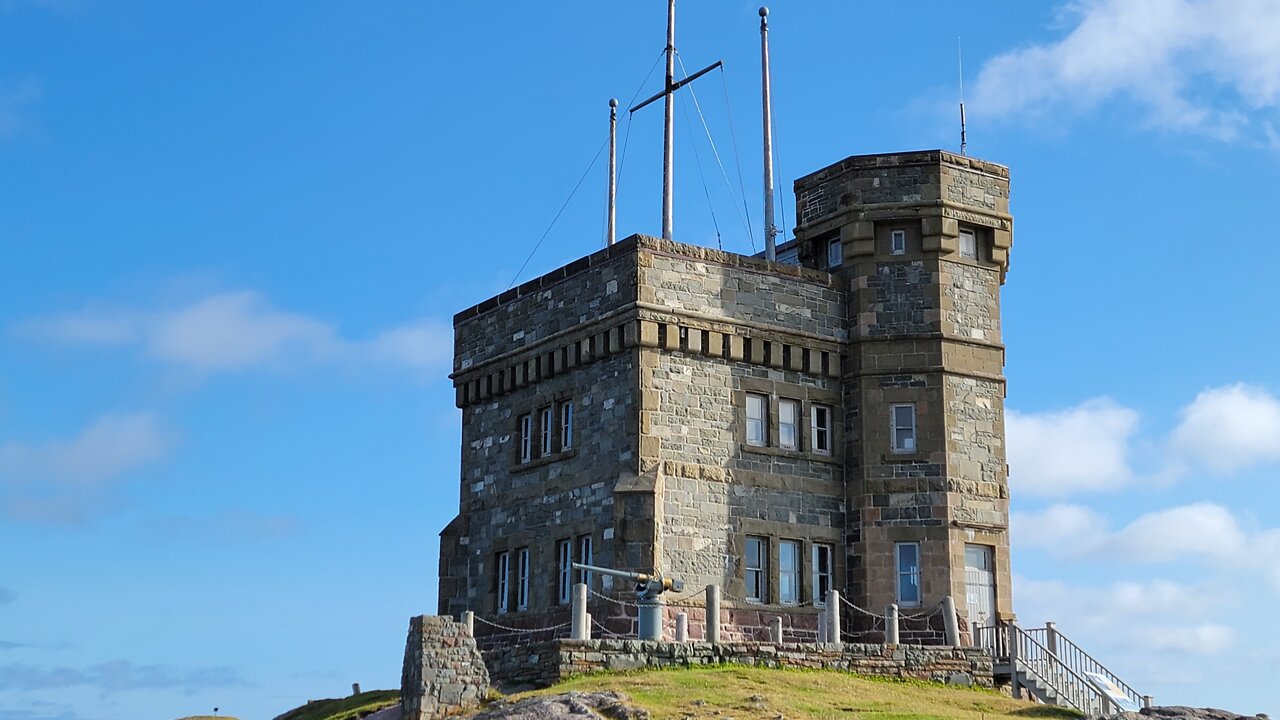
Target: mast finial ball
<point>613,102</point>
<point>763,11</point>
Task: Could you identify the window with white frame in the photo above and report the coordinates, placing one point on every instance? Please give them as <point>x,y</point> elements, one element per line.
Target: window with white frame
<point>788,424</point>
<point>835,253</point>
<point>503,566</point>
<point>902,427</point>
<point>757,569</point>
<point>545,423</point>
<point>820,429</point>
<point>522,579</point>
<point>757,414</point>
<point>526,438</point>
<point>908,564</point>
<point>968,244</point>
<point>564,571</point>
<point>566,425</point>
<point>789,572</point>
<point>821,564</point>
<point>584,557</point>
<point>898,242</point>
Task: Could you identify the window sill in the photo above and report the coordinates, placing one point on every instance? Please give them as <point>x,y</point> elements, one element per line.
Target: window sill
<point>902,457</point>
<point>520,467</point>
<point>790,454</point>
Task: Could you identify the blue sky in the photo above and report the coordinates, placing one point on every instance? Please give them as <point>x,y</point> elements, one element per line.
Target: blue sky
<point>234,235</point>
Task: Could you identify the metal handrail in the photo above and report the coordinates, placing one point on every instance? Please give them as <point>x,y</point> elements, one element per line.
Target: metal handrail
<point>1078,659</point>
<point>1092,701</point>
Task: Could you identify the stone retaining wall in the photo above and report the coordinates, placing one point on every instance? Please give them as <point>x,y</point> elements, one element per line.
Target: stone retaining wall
<point>543,664</point>
<point>443,671</point>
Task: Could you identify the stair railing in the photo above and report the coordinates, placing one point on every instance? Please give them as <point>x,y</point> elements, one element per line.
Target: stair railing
<point>1074,657</point>
<point>1032,657</point>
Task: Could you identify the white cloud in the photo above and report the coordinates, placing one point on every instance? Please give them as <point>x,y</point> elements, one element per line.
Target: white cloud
<point>236,330</point>
<point>424,345</point>
<point>1198,530</point>
<point>1229,428</point>
<point>1149,612</point>
<point>1204,66</point>
<point>1082,448</point>
<point>64,481</point>
<point>1065,529</point>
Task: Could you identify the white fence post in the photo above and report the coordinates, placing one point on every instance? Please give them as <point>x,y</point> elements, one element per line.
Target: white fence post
<point>469,619</point>
<point>822,626</point>
<point>682,627</point>
<point>580,629</point>
<point>891,625</point>
<point>833,618</point>
<point>775,630</point>
<point>952,623</point>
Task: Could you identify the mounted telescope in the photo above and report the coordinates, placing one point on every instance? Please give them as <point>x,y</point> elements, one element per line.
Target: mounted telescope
<point>649,598</point>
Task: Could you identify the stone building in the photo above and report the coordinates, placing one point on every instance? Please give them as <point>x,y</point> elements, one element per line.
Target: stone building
<point>831,420</point>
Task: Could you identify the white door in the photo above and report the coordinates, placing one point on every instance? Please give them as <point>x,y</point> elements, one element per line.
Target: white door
<point>980,586</point>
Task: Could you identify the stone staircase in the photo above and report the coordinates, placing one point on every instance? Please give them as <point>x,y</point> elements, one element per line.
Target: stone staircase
<point>1055,671</point>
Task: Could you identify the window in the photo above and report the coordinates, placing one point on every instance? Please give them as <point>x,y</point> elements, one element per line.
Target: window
<point>545,423</point>
<point>564,571</point>
<point>503,565</point>
<point>902,427</point>
<point>566,425</point>
<point>820,429</point>
<point>968,244</point>
<point>898,242</point>
<point>788,572</point>
<point>908,560</point>
<point>835,254</point>
<point>584,557</point>
<point>522,579</point>
<point>757,569</point>
<point>526,438</point>
<point>756,413</point>
<point>821,574</point>
<point>788,432</point>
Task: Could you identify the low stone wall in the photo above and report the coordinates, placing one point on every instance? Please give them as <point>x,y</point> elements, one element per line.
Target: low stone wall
<point>443,671</point>
<point>545,663</point>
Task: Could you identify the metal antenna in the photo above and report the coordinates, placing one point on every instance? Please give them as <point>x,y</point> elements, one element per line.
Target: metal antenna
<point>668,130</point>
<point>964,140</point>
<point>613,166</point>
<point>770,230</point>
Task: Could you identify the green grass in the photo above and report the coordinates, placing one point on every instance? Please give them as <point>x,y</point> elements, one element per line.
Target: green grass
<point>348,708</point>
<point>747,693</point>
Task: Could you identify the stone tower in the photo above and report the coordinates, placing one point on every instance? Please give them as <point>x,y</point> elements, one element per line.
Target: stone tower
<point>779,429</point>
<point>923,242</point>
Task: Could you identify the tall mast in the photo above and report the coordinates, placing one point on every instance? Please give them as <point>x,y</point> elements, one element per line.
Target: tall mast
<point>964,140</point>
<point>770,231</point>
<point>668,128</point>
<point>613,166</point>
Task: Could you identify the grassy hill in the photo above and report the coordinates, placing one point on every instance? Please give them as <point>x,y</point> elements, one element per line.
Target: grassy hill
<point>348,708</point>
<point>746,693</point>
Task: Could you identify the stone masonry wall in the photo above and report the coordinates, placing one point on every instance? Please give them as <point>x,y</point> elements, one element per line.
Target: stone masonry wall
<point>809,302</point>
<point>544,664</point>
<point>509,505</point>
<point>443,672</point>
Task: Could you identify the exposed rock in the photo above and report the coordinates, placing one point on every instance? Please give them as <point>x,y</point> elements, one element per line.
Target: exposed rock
<point>569,706</point>
<point>386,713</point>
<point>1182,712</point>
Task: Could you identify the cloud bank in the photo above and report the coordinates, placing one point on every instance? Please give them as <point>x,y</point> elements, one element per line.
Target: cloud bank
<point>241,329</point>
<point>64,481</point>
<point>1210,67</point>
